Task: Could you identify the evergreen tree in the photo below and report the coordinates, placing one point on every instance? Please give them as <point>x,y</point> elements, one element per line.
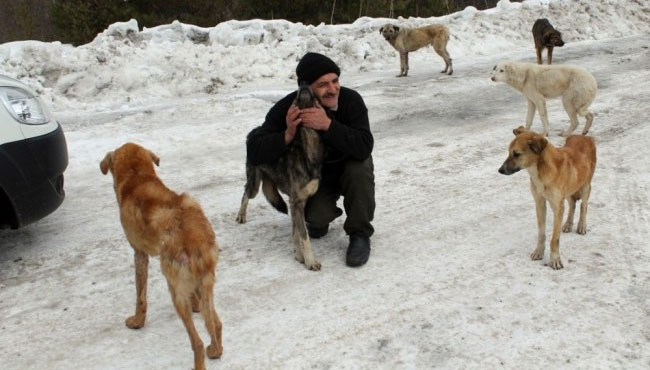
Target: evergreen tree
<point>79,21</point>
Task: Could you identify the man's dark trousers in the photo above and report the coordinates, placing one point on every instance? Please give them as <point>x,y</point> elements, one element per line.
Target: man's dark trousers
<point>355,181</point>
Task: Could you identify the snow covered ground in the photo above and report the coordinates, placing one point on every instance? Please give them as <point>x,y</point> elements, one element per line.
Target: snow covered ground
<point>449,283</point>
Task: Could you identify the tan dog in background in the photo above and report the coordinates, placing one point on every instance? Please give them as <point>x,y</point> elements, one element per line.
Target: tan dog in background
<point>556,174</point>
<point>158,221</point>
<point>576,86</point>
<point>405,40</point>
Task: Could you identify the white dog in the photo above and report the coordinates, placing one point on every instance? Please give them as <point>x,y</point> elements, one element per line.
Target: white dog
<point>576,86</point>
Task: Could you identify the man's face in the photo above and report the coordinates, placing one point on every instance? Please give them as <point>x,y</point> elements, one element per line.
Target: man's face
<point>326,88</point>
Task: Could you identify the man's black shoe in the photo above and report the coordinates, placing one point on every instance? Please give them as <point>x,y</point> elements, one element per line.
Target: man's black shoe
<point>317,232</point>
<point>358,251</point>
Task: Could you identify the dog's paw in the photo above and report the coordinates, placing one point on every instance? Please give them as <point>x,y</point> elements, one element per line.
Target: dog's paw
<point>241,218</point>
<point>214,351</point>
<point>582,229</point>
<point>567,227</point>
<point>555,263</point>
<point>537,254</point>
<point>313,266</point>
<point>135,322</point>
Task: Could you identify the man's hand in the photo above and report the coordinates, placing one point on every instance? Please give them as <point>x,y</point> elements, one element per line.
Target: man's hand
<point>315,118</point>
<point>293,120</point>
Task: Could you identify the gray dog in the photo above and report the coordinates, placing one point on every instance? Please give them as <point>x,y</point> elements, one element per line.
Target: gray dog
<point>296,173</point>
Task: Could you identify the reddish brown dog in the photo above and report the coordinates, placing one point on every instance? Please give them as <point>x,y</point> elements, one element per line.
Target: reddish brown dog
<point>545,36</point>
<point>556,174</point>
<point>157,221</point>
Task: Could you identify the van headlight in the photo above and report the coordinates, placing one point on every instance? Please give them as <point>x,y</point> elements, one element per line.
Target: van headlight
<point>23,106</point>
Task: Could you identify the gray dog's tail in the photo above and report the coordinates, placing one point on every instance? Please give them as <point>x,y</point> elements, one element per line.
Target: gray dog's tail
<point>273,196</point>
<point>254,177</point>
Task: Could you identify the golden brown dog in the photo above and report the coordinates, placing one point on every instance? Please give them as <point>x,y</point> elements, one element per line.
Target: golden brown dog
<point>405,40</point>
<point>157,221</point>
<point>556,174</point>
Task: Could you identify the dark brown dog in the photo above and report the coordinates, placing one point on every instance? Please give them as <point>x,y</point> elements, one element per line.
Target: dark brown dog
<point>158,221</point>
<point>546,36</point>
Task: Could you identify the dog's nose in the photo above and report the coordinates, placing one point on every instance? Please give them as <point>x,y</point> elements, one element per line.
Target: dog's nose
<point>502,171</point>
<point>492,78</point>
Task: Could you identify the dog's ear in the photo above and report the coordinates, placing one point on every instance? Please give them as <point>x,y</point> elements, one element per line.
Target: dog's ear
<point>537,144</point>
<point>381,29</point>
<point>519,130</point>
<point>154,158</point>
<point>106,163</point>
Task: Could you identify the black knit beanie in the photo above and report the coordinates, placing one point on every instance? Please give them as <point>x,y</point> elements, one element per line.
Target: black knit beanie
<point>313,65</point>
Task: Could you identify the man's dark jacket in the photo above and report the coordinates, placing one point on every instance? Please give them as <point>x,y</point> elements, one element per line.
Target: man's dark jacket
<point>349,134</point>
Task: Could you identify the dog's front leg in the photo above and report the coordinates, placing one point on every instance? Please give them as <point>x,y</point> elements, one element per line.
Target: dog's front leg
<point>141,271</point>
<point>540,210</point>
<point>540,103</point>
<point>404,64</point>
<point>301,244</point>
<point>558,212</point>
<point>530,114</point>
<point>549,54</point>
<point>539,55</point>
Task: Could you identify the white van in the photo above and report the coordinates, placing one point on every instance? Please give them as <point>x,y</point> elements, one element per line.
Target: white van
<point>33,156</point>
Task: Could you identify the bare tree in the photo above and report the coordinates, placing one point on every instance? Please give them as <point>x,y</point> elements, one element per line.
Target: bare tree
<point>332,17</point>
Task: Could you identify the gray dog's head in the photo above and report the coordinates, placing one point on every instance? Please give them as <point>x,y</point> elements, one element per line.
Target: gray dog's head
<point>389,31</point>
<point>305,97</point>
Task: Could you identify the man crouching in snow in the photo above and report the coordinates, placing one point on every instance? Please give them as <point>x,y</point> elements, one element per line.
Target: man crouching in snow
<point>341,118</point>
